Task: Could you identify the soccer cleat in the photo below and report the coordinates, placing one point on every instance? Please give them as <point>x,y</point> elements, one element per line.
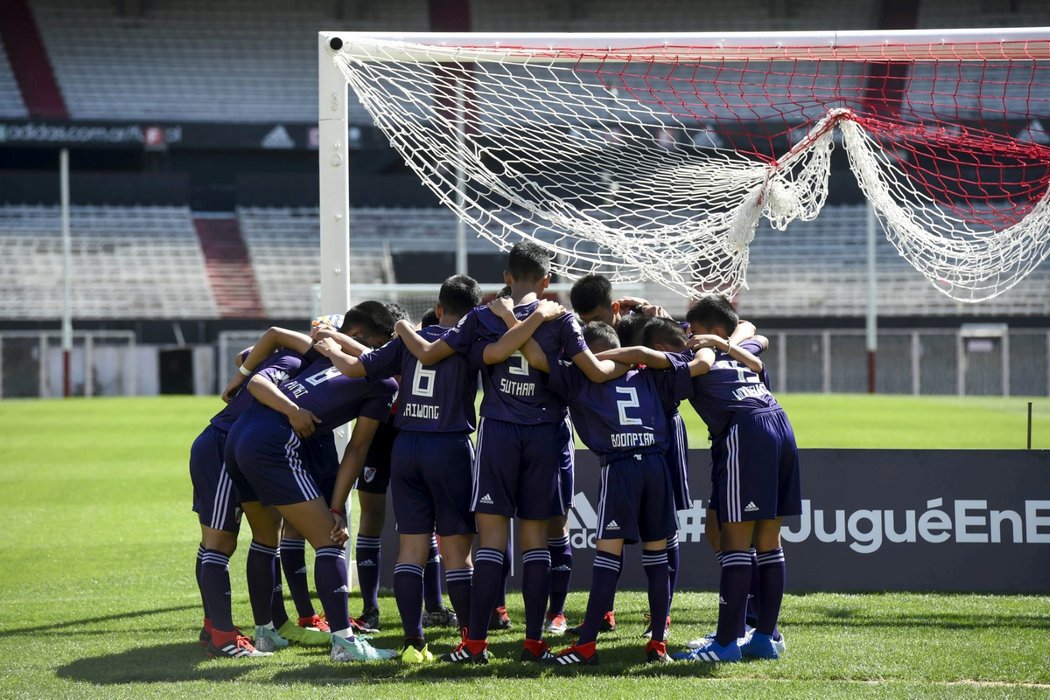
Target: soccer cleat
<point>648,633</point>
<point>316,622</point>
<point>577,654</point>
<point>357,649</point>
<point>608,625</point>
<point>463,655</point>
<point>359,628</point>
<point>233,646</point>
<point>710,652</point>
<point>411,655</point>
<point>535,651</point>
<point>204,638</point>
<point>368,622</point>
<point>445,617</point>
<point>267,639</point>
<point>656,652</point>
<point>697,643</point>
<point>308,636</point>
<point>556,625</point>
<point>763,646</point>
<point>500,620</point>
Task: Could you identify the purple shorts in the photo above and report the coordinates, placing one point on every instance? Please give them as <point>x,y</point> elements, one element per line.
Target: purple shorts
<point>263,452</point>
<point>517,470</point>
<point>756,469</point>
<point>430,483</point>
<point>678,462</point>
<point>215,499</point>
<point>636,503</point>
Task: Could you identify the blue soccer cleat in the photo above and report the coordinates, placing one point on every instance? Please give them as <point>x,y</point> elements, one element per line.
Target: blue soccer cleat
<point>763,646</point>
<point>710,652</point>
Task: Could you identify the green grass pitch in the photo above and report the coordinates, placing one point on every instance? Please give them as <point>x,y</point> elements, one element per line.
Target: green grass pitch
<point>97,596</point>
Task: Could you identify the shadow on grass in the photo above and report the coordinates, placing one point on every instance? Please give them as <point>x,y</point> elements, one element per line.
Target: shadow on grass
<point>164,663</point>
<point>865,619</point>
<point>84,621</point>
<point>613,661</point>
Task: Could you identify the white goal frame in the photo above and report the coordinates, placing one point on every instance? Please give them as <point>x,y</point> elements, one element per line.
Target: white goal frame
<point>333,124</point>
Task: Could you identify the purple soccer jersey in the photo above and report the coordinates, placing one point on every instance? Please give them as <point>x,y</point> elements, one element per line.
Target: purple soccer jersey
<point>624,414</point>
<point>277,368</point>
<point>729,388</point>
<point>514,391</point>
<point>438,398</point>
<point>337,399</point>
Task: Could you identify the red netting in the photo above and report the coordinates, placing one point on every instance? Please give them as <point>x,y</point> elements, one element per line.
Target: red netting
<point>969,133</point>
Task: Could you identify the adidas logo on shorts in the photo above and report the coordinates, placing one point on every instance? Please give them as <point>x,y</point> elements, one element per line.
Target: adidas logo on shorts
<point>750,507</point>
<point>487,499</point>
<point>612,525</point>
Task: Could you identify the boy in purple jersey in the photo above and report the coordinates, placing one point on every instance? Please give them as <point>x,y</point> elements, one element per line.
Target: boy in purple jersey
<point>430,460</point>
<point>591,297</point>
<point>623,421</point>
<point>432,457</point>
<point>266,460</point>
<point>217,503</point>
<point>521,439</point>
<point>756,477</point>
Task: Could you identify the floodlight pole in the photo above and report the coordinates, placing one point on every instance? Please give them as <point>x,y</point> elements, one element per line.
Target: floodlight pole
<point>334,204</point>
<point>67,286</point>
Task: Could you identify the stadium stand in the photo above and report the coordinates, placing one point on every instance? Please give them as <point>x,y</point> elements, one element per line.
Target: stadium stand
<point>820,267</point>
<point>669,15</point>
<point>127,263</point>
<point>947,14</point>
<point>162,64</point>
<point>11,104</point>
<point>284,247</point>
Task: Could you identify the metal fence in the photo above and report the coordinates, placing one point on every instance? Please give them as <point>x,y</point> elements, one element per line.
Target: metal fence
<point>103,363</point>
<point>988,361</point>
<point>969,361</point>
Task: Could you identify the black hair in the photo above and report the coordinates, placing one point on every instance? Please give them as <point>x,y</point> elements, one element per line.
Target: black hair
<point>630,329</point>
<point>600,336</point>
<point>590,292</point>
<point>714,311</point>
<point>430,318</point>
<point>398,312</point>
<point>376,317</point>
<point>528,262</point>
<point>665,331</point>
<point>505,292</point>
<point>459,294</point>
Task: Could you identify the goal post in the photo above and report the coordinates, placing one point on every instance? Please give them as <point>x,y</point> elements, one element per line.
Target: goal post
<point>652,157</point>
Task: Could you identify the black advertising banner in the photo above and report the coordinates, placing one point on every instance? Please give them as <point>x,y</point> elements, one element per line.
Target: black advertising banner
<point>873,520</point>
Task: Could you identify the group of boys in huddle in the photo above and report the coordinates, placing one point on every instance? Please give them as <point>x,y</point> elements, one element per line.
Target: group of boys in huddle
<point>617,381</point>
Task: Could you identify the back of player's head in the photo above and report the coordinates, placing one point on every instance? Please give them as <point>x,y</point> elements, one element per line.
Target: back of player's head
<point>430,318</point>
<point>630,328</point>
<point>528,262</point>
<point>664,332</point>
<point>713,312</point>
<point>505,292</point>
<point>372,318</point>
<point>590,292</point>
<point>600,336</point>
<point>459,294</point>
<point>397,311</point>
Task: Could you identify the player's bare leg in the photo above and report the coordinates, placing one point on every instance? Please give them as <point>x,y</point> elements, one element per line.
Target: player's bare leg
<point>319,526</point>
